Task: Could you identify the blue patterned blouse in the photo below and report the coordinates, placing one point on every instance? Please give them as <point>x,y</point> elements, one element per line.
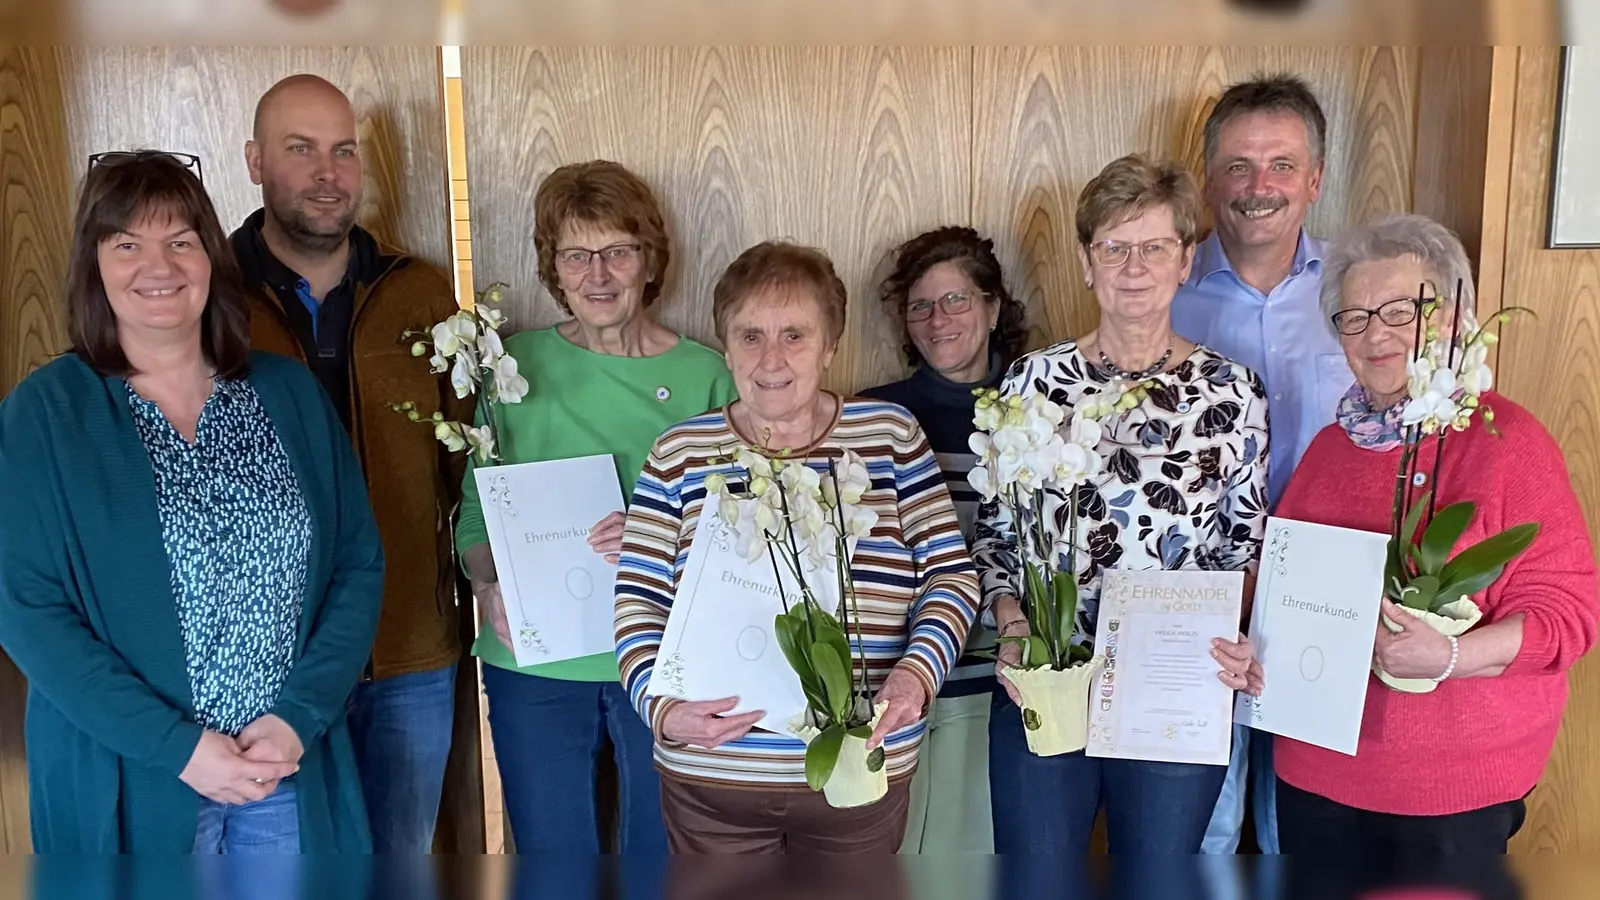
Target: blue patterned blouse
<point>238,538</point>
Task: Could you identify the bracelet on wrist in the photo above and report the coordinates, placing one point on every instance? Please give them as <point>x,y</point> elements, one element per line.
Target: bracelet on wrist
<point>1455,656</point>
<point>1009,625</point>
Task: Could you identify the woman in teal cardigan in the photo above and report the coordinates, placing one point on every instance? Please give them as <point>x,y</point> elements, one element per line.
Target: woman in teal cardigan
<point>190,575</point>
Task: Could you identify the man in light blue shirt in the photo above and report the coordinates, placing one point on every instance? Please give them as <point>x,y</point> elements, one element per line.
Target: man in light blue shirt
<point>1252,296</point>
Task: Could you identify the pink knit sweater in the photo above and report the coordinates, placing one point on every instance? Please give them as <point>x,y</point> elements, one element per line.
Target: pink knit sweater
<point>1474,742</point>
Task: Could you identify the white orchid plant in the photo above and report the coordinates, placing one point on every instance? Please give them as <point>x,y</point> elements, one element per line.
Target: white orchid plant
<point>1021,451</point>
<point>1447,378</point>
<point>467,345</point>
<point>795,514</point>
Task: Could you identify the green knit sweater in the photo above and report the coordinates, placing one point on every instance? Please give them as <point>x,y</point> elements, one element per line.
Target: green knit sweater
<point>582,403</point>
<point>87,613</point>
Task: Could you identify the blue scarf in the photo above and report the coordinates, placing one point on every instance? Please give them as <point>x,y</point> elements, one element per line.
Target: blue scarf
<point>1368,428</point>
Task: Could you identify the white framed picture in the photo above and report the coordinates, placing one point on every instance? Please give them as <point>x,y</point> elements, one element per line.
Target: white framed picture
<point>1574,179</point>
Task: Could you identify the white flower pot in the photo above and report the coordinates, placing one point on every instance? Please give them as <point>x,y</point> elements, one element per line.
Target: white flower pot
<point>1453,618</point>
<point>1055,706</point>
<point>851,784</point>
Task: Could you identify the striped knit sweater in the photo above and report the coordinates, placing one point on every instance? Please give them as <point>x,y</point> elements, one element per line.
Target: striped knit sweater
<point>916,587</point>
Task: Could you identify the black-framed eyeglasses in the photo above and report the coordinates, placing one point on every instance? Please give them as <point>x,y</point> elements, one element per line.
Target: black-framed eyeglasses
<point>576,259</point>
<point>118,157</point>
<point>1399,311</point>
<point>954,304</point>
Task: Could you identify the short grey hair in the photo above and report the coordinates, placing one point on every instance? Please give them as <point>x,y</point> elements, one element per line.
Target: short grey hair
<point>1397,236</point>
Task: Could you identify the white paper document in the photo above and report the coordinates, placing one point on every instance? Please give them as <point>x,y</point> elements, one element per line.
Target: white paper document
<point>719,640</point>
<point>1158,696</point>
<point>1313,625</point>
<point>557,590</point>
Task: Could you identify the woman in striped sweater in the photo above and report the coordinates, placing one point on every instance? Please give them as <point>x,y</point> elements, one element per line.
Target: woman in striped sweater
<point>726,786</point>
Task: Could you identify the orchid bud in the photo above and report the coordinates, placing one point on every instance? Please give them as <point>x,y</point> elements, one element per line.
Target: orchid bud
<point>1433,334</point>
<point>1488,414</point>
<point>495,293</point>
<point>438,417</point>
<point>419,349</point>
<point>716,483</point>
<point>1470,402</point>
<point>760,485</point>
<point>1490,338</point>
<point>413,415</point>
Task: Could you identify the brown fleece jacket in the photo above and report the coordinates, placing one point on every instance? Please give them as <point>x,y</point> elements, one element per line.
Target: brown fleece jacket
<point>414,483</point>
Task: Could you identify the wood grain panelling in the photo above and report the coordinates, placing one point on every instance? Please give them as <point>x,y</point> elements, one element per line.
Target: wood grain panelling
<point>1453,138</point>
<point>33,225</point>
<point>1551,365</point>
<point>1047,120</point>
<point>202,101</point>
<point>851,150</point>
<point>34,220</point>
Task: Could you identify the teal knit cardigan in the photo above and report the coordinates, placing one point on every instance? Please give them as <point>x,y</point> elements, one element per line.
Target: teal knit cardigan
<point>87,613</point>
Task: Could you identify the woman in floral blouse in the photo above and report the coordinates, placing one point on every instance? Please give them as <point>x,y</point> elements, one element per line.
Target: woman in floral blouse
<point>1184,487</point>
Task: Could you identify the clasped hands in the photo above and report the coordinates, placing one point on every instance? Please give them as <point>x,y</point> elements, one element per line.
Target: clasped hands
<point>605,538</point>
<point>246,768</point>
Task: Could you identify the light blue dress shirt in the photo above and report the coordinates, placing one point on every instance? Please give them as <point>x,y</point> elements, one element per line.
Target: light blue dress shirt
<point>1281,336</point>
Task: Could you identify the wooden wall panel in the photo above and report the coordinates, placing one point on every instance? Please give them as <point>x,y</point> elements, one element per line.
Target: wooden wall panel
<point>33,226</point>
<point>1551,365</point>
<point>1047,120</point>
<point>852,150</point>
<point>202,100</point>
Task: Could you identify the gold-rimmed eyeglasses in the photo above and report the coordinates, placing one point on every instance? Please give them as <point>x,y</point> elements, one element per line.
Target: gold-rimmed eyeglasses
<point>1113,254</point>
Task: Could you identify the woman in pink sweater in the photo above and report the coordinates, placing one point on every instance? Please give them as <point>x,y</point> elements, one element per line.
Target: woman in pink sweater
<point>1444,772</point>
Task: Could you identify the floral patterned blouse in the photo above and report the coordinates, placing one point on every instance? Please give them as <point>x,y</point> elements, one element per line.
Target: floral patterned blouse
<point>1184,484</point>
<point>238,538</point>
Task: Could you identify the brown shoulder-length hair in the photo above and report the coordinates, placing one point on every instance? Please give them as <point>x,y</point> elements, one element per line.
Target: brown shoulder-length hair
<point>117,196</point>
<point>603,194</point>
<point>973,254</point>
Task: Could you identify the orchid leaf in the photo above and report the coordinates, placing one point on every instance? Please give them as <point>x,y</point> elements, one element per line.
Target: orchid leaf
<point>1078,653</point>
<point>1489,553</point>
<point>1038,602</point>
<point>1408,530</point>
<point>1066,591</point>
<point>861,731</point>
<point>822,756</point>
<point>1420,592</point>
<point>1440,538</point>
<point>1469,586</point>
<point>835,679</point>
<point>791,633</point>
<point>1038,653</point>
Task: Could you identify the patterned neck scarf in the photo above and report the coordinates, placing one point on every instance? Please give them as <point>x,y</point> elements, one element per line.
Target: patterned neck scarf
<point>1371,429</point>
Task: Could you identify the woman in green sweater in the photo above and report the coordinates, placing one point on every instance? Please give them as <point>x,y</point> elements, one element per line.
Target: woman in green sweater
<point>190,575</point>
<point>608,380</point>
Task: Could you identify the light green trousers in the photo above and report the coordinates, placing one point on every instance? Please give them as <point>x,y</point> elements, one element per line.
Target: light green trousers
<point>950,791</point>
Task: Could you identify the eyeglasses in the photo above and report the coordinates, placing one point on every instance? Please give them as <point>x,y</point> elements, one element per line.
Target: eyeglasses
<point>954,304</point>
<point>574,260</point>
<point>1399,311</point>
<point>1112,254</point>
<point>119,157</point>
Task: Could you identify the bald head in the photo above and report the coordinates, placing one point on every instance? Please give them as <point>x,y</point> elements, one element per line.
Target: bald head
<point>298,89</point>
<point>304,155</point>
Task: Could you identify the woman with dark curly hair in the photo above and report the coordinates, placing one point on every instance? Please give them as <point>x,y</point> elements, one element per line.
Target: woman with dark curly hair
<point>962,329</point>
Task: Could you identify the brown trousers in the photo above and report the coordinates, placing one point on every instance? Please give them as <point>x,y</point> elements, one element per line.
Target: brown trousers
<point>702,819</point>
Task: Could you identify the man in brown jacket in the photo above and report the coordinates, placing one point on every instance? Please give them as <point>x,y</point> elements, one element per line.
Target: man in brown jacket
<point>324,291</point>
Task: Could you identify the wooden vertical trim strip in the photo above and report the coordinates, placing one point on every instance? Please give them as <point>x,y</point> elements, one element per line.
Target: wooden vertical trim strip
<point>1497,183</point>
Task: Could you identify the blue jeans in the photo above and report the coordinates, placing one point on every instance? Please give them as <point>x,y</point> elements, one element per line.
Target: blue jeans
<point>254,847</point>
<point>401,730</point>
<point>1250,764</point>
<point>1048,804</point>
<point>548,735</point>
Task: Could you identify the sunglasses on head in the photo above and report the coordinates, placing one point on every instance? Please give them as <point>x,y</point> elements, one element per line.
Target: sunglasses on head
<point>118,157</point>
